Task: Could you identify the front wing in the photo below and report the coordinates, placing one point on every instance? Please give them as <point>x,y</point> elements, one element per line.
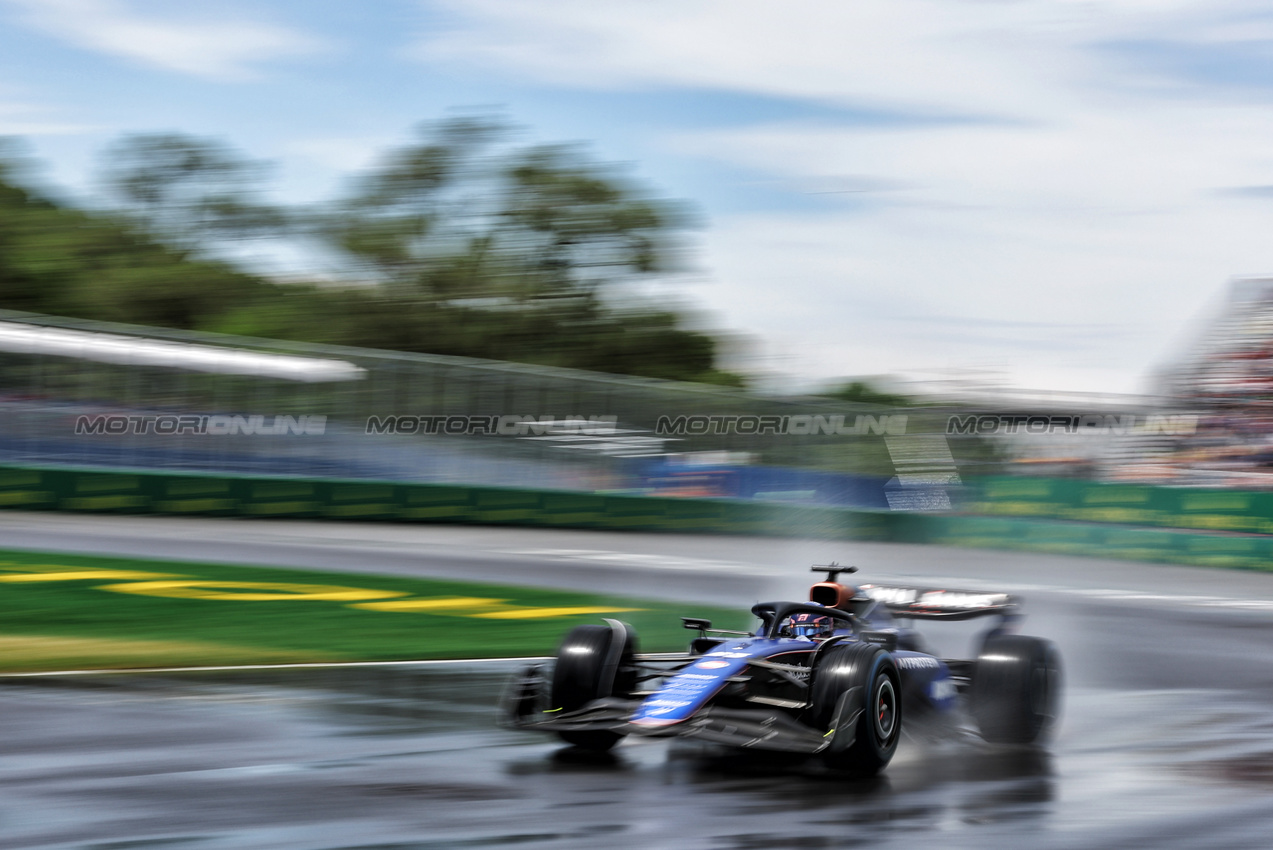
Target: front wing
<point>522,707</point>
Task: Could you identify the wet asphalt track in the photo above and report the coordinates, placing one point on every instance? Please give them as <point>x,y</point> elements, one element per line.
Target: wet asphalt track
<point>1166,741</point>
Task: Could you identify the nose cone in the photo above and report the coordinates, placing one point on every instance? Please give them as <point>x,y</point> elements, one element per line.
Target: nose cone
<point>687,691</point>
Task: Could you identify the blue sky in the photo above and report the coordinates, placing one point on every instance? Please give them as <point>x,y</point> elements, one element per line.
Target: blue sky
<point>1047,193</point>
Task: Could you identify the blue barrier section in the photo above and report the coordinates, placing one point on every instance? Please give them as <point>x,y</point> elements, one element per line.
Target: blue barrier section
<point>765,483</point>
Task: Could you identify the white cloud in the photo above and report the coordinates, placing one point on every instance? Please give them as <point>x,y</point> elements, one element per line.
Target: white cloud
<point>1067,237</point>
<point>21,118</point>
<point>914,289</point>
<point>204,46</point>
<point>861,51</point>
<point>1069,254</point>
<point>974,56</point>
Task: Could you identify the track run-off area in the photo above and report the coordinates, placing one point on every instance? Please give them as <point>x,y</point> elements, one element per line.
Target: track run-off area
<point>1166,739</point>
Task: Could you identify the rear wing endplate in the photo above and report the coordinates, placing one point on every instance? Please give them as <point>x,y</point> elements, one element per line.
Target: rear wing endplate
<point>920,603</point>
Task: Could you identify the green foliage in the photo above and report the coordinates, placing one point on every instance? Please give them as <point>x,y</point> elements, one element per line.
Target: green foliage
<point>66,262</point>
<point>459,217</point>
<point>189,191</point>
<point>460,244</point>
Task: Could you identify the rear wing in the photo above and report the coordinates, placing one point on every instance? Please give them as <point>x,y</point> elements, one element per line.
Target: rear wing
<point>921,603</point>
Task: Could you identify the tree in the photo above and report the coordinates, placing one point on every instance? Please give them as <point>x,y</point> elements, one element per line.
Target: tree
<point>459,216</point>
<point>584,228</point>
<point>59,260</point>
<point>460,243</point>
<point>190,192</point>
<point>518,253</point>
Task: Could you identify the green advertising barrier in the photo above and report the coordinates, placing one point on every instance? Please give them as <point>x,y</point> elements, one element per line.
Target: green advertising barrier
<point>1018,512</point>
<point>1159,545</point>
<point>193,494</point>
<point>1124,504</point>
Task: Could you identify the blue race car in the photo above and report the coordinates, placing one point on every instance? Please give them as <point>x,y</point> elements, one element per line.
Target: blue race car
<point>833,677</point>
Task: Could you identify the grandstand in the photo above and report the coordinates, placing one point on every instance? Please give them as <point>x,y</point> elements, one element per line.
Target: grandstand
<point>1226,376</point>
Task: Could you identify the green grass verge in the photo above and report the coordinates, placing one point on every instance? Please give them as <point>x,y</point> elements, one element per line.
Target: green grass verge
<point>61,611</point>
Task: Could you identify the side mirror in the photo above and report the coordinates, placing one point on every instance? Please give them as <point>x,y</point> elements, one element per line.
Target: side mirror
<point>697,623</point>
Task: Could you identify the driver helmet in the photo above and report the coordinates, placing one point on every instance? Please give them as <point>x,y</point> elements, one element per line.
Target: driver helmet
<point>808,625</point>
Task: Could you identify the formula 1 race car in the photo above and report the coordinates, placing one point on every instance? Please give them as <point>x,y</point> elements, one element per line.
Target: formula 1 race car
<point>833,677</point>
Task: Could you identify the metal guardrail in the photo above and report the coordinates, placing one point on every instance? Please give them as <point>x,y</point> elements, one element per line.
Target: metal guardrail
<point>53,371</point>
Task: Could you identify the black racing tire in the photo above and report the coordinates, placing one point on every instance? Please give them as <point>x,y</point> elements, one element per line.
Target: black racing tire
<point>1015,692</point>
<point>865,677</point>
<point>578,678</point>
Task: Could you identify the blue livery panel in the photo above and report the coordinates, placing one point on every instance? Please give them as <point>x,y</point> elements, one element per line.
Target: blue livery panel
<point>687,691</point>
<point>929,677</point>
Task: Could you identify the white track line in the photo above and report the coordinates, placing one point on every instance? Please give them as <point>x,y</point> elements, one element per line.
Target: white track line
<point>243,667</point>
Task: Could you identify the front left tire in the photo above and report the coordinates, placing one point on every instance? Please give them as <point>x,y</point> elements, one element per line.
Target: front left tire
<point>593,662</point>
<point>857,683</point>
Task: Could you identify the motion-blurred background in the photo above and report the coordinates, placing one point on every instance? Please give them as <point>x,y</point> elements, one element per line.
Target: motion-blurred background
<point>342,344</point>
<point>994,280</point>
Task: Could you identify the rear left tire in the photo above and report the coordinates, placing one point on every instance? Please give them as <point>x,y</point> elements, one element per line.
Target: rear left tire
<point>1016,689</point>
